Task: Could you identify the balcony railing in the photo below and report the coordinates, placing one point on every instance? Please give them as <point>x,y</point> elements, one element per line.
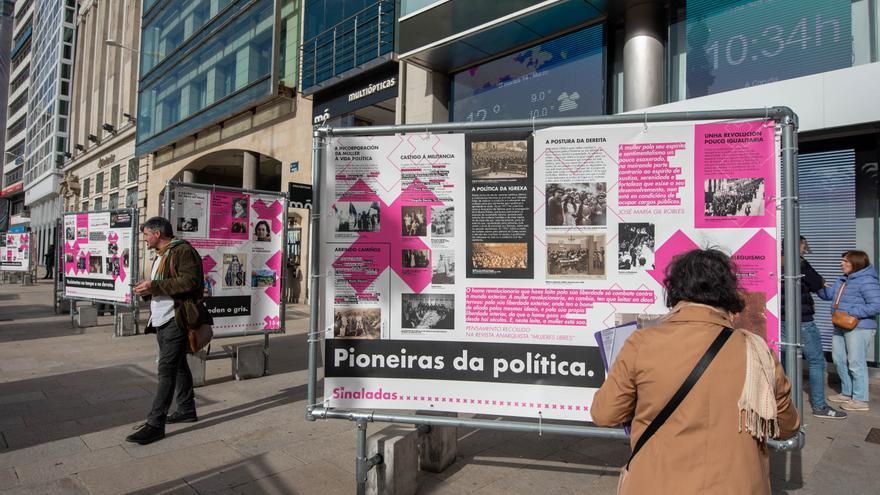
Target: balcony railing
<point>363,37</point>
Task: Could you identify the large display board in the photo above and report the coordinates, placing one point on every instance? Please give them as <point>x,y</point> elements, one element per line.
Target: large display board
<point>240,235</point>
<point>469,272</point>
<point>99,247</point>
<point>16,255</point>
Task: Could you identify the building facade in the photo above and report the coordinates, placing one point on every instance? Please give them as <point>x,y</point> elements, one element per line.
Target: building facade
<point>474,61</point>
<point>217,100</point>
<point>102,171</point>
<point>16,113</point>
<point>48,109</point>
<point>7,14</point>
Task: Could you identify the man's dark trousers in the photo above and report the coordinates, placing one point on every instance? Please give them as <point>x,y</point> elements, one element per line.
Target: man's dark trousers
<point>173,370</point>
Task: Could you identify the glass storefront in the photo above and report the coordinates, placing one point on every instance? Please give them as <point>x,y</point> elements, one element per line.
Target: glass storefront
<point>558,78</point>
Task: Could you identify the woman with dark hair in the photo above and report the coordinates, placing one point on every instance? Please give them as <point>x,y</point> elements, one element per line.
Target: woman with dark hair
<point>714,440</point>
<point>261,232</point>
<point>856,292</point>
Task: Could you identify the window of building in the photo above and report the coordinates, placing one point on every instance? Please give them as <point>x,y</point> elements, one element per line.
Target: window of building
<point>132,170</point>
<point>87,182</point>
<point>165,30</point>
<point>114,177</point>
<point>99,204</point>
<point>114,201</point>
<point>85,206</point>
<point>99,182</point>
<point>131,197</point>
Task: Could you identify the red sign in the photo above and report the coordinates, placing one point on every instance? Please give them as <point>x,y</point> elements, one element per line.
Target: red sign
<point>17,187</point>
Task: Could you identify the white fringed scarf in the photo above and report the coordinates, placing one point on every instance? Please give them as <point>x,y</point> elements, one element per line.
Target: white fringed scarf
<point>757,403</point>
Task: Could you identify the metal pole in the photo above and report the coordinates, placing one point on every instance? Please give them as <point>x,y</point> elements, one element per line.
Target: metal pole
<point>361,461</point>
<point>791,254</point>
<point>266,353</point>
<point>315,268</point>
<point>134,262</point>
<point>775,113</point>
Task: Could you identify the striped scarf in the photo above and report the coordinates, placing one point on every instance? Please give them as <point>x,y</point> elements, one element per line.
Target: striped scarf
<point>161,258</point>
<point>757,403</point>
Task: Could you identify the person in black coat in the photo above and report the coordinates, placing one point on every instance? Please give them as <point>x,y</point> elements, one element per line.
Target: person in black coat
<point>811,339</point>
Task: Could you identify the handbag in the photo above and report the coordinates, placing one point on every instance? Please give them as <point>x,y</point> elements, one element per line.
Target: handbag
<point>198,338</point>
<point>842,319</point>
<point>677,398</point>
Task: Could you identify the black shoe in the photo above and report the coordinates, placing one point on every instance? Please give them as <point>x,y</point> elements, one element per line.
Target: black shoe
<point>146,434</point>
<point>179,417</point>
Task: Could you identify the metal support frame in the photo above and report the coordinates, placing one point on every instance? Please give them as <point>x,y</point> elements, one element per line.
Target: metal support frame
<point>170,187</point>
<point>783,116</point>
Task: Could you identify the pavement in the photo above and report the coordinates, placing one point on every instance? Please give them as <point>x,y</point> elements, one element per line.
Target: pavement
<point>69,396</point>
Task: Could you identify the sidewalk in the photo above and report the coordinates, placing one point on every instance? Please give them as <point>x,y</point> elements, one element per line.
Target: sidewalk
<point>68,398</point>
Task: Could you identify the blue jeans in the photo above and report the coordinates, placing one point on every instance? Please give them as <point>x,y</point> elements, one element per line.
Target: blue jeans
<point>849,350</point>
<point>812,348</point>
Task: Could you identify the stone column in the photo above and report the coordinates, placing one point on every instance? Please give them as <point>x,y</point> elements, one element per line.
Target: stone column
<point>643,55</point>
<point>249,170</point>
<point>189,176</point>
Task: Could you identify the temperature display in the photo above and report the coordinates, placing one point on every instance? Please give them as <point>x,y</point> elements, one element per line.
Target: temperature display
<point>561,77</point>
<point>737,44</point>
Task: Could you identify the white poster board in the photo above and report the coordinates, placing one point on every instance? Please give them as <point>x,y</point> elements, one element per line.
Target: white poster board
<point>470,272</point>
<point>16,256</point>
<point>240,236</point>
<point>98,254</point>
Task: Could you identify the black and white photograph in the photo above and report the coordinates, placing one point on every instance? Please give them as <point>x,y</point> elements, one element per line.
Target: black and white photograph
<point>82,233</point>
<point>500,255</point>
<point>443,267</point>
<point>414,221</point>
<point>234,271</point>
<point>81,263</point>
<point>428,311</point>
<point>416,258</point>
<point>635,247</point>
<point>499,159</point>
<point>238,227</point>
<point>125,257</point>
<point>69,234</point>
<point>112,248</point>
<point>356,216</point>
<point>443,221</point>
<point>576,257</point>
<point>187,224</point>
<point>576,204</point>
<point>357,323</point>
<point>112,266</point>
<point>734,197</point>
<point>239,208</point>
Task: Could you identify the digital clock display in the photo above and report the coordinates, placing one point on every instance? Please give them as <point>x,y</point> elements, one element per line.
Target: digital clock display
<point>734,44</point>
<point>558,78</point>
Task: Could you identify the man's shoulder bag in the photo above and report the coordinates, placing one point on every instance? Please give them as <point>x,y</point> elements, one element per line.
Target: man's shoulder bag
<point>841,319</point>
<point>677,398</point>
<point>198,336</point>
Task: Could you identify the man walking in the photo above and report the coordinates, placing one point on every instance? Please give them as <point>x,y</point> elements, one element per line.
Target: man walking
<point>811,339</point>
<point>49,258</point>
<point>175,292</point>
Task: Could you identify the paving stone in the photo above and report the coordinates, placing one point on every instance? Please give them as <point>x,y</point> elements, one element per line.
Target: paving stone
<point>311,478</point>
<point>64,486</point>
<point>48,450</point>
<point>46,470</point>
<point>21,397</point>
<point>244,472</point>
<point>9,478</point>
<point>141,474</point>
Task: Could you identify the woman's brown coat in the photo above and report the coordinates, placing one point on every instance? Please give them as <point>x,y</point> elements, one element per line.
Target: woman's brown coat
<point>700,448</point>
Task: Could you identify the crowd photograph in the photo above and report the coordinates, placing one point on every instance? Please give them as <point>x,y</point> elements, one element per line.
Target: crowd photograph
<point>357,216</point>
<point>500,255</point>
<point>414,222</point>
<point>734,197</point>
<point>499,159</point>
<point>416,258</point>
<point>443,221</point>
<point>580,256</point>
<point>635,250</point>
<point>575,205</point>
<point>428,311</point>
<point>357,323</point>
<point>443,267</point>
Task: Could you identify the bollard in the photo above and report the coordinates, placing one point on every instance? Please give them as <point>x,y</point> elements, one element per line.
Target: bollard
<point>438,444</point>
<point>86,316</point>
<point>248,361</point>
<point>197,367</point>
<point>397,475</point>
